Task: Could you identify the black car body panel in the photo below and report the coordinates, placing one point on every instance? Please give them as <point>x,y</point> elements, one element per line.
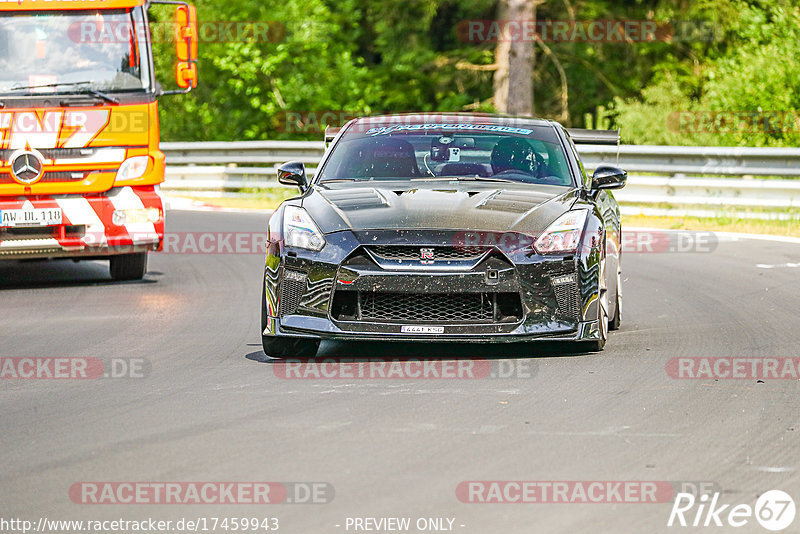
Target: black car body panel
<point>442,260</point>
<point>436,205</point>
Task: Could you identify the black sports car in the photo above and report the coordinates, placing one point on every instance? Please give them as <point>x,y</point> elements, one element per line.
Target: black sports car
<point>457,227</point>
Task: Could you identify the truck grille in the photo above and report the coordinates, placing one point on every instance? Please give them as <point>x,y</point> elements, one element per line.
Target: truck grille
<point>42,232</point>
<point>386,307</point>
<point>58,153</point>
<point>50,177</point>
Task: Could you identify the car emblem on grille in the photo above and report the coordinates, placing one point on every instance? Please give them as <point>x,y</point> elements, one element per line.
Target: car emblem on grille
<point>27,166</point>
<point>426,255</point>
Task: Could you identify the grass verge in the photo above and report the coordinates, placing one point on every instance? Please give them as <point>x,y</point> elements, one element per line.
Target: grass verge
<point>720,224</point>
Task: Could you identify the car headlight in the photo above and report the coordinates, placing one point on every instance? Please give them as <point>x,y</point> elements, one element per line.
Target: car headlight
<point>563,235</point>
<point>133,168</point>
<point>300,231</point>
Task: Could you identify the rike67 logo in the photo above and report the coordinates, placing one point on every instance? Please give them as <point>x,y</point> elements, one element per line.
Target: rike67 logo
<point>774,510</point>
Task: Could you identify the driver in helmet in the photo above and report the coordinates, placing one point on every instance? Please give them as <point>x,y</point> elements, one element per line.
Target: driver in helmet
<point>515,155</point>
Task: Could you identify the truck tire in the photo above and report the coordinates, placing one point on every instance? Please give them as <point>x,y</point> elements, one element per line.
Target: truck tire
<point>129,266</point>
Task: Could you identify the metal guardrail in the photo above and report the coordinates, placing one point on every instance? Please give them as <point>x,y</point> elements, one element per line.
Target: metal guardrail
<point>725,173</point>
<point>726,161</point>
<point>243,152</point>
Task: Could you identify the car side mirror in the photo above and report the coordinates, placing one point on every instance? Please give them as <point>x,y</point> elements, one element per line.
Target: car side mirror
<point>608,177</point>
<point>293,173</point>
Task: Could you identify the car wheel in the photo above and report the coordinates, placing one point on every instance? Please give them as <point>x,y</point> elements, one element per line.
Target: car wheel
<point>596,345</point>
<point>128,266</point>
<point>289,347</point>
<point>264,305</point>
<point>617,319</point>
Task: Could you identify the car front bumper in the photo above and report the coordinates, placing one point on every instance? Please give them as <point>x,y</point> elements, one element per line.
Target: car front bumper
<point>304,293</point>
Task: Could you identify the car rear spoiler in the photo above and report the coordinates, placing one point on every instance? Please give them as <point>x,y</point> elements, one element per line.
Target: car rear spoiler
<point>582,136</point>
<point>330,133</point>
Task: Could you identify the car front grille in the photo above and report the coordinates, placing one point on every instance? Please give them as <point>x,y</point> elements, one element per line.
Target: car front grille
<point>409,307</point>
<point>567,299</point>
<point>396,307</point>
<point>292,290</point>
<point>414,253</point>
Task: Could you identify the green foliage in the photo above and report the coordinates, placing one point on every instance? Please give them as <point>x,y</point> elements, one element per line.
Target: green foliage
<point>750,78</point>
<point>407,55</point>
<point>351,56</point>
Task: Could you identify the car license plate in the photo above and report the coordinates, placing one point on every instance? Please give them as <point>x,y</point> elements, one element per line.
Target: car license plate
<point>30,217</point>
<point>422,330</point>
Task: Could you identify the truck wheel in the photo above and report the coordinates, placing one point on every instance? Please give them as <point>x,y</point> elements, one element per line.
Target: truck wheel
<point>129,266</point>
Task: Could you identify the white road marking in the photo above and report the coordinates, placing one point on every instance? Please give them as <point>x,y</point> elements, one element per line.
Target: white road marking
<point>767,469</point>
<point>768,266</point>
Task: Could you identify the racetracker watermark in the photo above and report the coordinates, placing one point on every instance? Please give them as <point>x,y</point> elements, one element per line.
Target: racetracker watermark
<point>73,128</point>
<point>734,122</point>
<point>209,492</point>
<point>587,31</point>
<point>633,242</point>
<point>214,243</point>
<point>73,368</point>
<point>375,123</point>
<point>663,242</point>
<point>573,491</point>
<point>92,31</point>
<point>734,368</point>
<point>142,525</point>
<point>312,121</point>
<point>402,369</point>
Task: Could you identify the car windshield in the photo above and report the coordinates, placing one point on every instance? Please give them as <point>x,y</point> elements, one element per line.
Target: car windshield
<point>531,154</point>
<point>73,52</point>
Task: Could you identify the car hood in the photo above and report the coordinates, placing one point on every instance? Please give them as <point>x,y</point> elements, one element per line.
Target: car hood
<point>492,207</point>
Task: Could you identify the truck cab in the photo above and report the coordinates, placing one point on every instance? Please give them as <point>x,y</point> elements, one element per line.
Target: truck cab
<point>80,164</point>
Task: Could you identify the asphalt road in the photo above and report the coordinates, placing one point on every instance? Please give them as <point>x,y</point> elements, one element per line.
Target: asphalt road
<point>210,408</point>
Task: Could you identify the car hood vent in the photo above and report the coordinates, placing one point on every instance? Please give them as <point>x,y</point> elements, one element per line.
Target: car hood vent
<point>355,199</point>
<point>513,201</point>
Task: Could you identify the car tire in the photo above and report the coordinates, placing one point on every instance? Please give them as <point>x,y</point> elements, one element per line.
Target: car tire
<point>264,305</point>
<point>284,347</point>
<point>289,347</point>
<point>614,323</point>
<point>128,266</point>
<point>597,345</point>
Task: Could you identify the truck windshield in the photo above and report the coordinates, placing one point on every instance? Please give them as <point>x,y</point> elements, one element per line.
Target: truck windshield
<point>68,52</point>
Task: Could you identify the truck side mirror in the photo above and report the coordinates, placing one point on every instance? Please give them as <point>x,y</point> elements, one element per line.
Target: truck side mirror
<point>186,37</point>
